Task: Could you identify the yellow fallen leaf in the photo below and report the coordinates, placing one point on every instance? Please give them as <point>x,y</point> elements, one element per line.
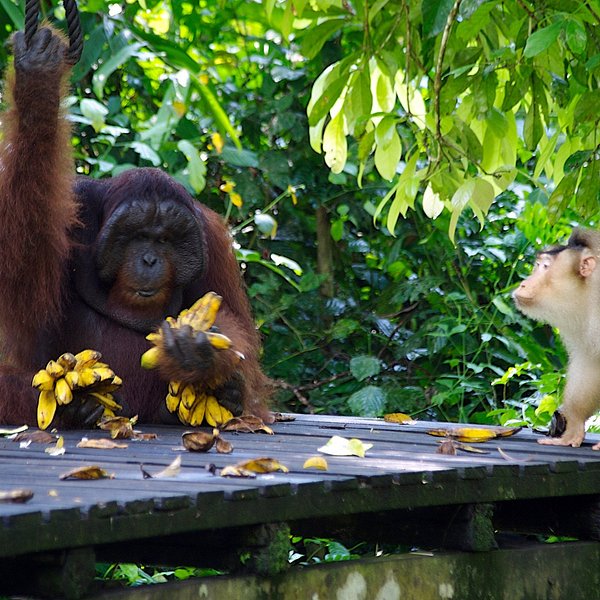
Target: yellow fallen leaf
<point>101,444</point>
<point>248,468</point>
<point>316,462</point>
<point>58,449</point>
<point>340,446</point>
<point>87,472</point>
<point>401,418</point>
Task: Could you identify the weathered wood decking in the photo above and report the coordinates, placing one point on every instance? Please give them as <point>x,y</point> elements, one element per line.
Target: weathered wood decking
<point>402,491</point>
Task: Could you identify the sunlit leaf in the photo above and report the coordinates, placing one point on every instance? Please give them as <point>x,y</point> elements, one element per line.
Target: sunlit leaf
<point>542,39</point>
<point>196,166</point>
<point>401,418</point>
<point>341,446</point>
<point>316,462</point>
<point>334,144</point>
<point>114,61</point>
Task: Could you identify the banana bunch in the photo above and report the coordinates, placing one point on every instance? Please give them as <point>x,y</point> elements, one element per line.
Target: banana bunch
<point>200,317</point>
<point>194,404</point>
<point>73,373</point>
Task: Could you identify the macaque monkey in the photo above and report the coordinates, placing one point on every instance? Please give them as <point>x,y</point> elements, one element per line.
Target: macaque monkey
<point>564,291</point>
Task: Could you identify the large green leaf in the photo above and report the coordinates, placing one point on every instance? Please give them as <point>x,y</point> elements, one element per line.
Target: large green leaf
<point>365,366</point>
<point>368,402</point>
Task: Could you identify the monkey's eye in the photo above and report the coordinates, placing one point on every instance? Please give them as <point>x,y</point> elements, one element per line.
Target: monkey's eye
<point>163,240</point>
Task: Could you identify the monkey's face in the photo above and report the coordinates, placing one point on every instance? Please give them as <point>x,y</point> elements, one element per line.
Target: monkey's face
<point>556,285</point>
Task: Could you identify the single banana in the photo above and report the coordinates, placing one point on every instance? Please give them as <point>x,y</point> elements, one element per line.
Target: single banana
<point>67,361</point>
<point>46,408</point>
<point>215,413</point>
<point>62,391</point>
<point>173,402</point>
<point>188,396</point>
<point>106,400</point>
<point>218,340</point>
<point>87,377</point>
<point>86,359</point>
<point>150,358</point>
<point>72,378</point>
<point>198,410</point>
<point>54,369</point>
<point>43,381</point>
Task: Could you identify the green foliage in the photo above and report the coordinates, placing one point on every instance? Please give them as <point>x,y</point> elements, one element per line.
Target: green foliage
<point>450,101</point>
<point>134,575</point>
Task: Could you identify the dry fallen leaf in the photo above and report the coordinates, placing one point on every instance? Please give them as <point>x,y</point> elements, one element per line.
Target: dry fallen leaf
<point>101,444</point>
<point>450,446</point>
<point>171,471</point>
<point>316,462</point>
<point>223,446</point>
<point>16,496</point>
<point>340,446</point>
<point>58,449</point>
<point>233,471</point>
<point>119,427</point>
<point>510,458</point>
<point>246,424</point>
<point>36,436</point>
<point>399,418</point>
<point>254,465</point>
<point>87,472</point>
<point>281,418</point>
<point>199,441</point>
<point>474,434</point>
<point>447,447</point>
<point>144,437</point>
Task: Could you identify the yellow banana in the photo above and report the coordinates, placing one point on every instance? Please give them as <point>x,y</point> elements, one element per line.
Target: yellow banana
<point>104,373</point>
<point>106,400</point>
<point>67,361</point>
<point>62,391</point>
<point>154,337</point>
<point>54,369</point>
<point>46,408</point>
<point>87,378</point>
<point>198,410</point>
<point>218,340</point>
<point>188,396</point>
<point>150,358</point>
<point>43,381</point>
<point>215,413</point>
<point>175,388</point>
<point>172,402</point>
<point>86,358</point>
<point>183,413</point>
<point>72,378</point>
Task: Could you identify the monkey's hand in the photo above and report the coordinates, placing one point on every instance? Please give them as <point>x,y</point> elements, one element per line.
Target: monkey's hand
<point>186,350</point>
<point>82,411</point>
<point>231,394</point>
<point>44,56</point>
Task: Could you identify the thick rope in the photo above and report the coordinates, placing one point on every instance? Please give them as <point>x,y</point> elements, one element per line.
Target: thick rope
<point>32,10</point>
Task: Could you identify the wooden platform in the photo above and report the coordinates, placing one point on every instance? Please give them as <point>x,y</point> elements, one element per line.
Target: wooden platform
<point>403,491</point>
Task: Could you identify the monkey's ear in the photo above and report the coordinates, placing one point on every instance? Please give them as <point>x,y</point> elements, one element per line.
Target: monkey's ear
<point>587,265</point>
